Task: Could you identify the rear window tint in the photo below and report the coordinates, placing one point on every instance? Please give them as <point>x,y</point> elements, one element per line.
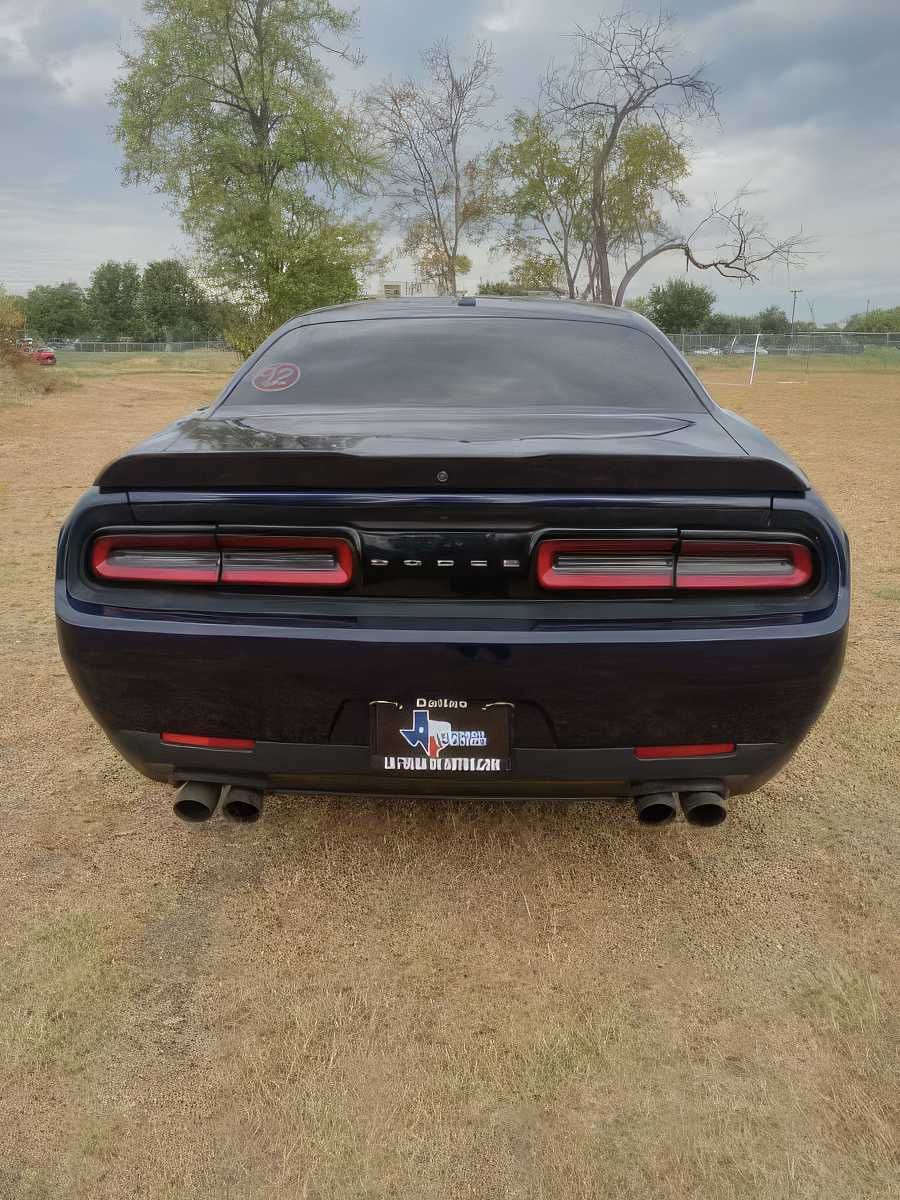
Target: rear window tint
<point>495,363</point>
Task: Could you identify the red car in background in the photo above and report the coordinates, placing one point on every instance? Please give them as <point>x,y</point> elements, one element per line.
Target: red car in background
<point>44,356</point>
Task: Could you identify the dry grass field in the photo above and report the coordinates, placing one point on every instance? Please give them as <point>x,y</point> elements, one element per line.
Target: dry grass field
<point>452,1002</point>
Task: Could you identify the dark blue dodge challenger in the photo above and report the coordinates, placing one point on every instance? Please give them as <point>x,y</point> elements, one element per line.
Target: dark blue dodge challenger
<point>479,548</point>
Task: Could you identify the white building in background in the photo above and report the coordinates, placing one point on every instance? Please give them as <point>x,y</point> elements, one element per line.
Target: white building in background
<point>404,287</point>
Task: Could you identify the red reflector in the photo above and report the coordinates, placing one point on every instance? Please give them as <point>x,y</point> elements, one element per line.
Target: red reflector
<point>207,743</point>
<point>286,561</point>
<point>156,557</point>
<point>698,751</point>
<point>722,565</point>
<point>606,563</point>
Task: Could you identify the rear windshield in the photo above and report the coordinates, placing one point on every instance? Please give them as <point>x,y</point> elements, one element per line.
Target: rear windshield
<point>513,364</point>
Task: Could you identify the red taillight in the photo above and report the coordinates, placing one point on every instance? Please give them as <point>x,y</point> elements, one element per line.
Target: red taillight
<point>286,561</point>
<point>156,558</point>
<point>661,563</point>
<point>207,743</point>
<point>607,563</point>
<point>703,749</point>
<point>188,558</point>
<point>743,565</point>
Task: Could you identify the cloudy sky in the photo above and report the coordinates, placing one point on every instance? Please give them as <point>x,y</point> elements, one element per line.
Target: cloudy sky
<point>810,120</point>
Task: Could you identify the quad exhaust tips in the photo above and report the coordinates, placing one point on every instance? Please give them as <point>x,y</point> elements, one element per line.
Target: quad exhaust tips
<point>196,801</point>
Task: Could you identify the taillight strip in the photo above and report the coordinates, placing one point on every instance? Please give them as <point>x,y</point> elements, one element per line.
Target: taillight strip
<point>286,561</point>
<point>231,559</point>
<point>609,563</point>
<point>156,558</point>
<point>736,564</point>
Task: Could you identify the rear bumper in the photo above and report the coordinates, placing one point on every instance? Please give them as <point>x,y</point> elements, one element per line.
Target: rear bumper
<point>536,774</point>
<point>584,696</point>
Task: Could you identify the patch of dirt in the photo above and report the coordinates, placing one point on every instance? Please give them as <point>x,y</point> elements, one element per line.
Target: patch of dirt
<point>382,999</point>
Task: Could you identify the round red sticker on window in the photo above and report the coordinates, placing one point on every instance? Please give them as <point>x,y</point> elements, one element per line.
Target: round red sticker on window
<point>275,378</point>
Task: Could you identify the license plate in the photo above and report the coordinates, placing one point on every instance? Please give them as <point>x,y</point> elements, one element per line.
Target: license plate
<point>440,737</point>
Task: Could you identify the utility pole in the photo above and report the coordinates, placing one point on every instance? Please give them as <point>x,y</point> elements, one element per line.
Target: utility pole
<point>795,292</point>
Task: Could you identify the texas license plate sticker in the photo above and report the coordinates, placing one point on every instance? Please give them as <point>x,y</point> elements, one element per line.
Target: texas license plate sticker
<point>438,736</point>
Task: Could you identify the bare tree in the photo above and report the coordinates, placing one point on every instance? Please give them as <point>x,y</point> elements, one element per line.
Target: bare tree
<point>623,76</point>
<point>437,185</point>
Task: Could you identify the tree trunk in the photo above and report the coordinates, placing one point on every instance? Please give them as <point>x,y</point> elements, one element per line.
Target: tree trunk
<point>600,233</point>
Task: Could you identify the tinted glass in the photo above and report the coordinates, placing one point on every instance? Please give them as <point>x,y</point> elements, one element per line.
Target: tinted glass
<point>495,363</point>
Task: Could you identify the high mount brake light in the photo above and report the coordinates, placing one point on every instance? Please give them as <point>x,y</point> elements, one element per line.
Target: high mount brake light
<point>608,563</point>
<point>231,559</point>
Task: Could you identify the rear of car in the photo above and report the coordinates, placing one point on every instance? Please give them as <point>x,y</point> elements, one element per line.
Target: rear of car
<point>503,550</point>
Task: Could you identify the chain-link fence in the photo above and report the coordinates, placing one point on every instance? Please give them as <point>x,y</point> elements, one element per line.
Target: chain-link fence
<point>828,350</point>
<point>81,347</point>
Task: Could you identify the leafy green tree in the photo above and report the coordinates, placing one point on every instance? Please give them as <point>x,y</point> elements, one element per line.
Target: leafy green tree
<point>877,320</point>
<point>113,301</point>
<point>500,287</point>
<point>318,270</point>
<point>678,306</point>
<point>546,198</point>
<point>424,244</point>
<point>548,167</point>
<point>173,305</point>
<point>57,310</point>
<point>12,323</point>
<point>641,305</point>
<point>773,320</point>
<point>228,109</point>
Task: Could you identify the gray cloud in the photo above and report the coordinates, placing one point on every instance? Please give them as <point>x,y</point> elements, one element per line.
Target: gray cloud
<point>809,112</point>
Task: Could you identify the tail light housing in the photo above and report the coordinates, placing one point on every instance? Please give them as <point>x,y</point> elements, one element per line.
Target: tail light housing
<point>155,558</point>
<point>728,565</point>
<point>286,561</point>
<point>224,559</point>
<point>689,564</point>
<point>608,564</point>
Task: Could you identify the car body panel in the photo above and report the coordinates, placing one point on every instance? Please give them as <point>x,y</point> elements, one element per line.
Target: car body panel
<point>591,677</point>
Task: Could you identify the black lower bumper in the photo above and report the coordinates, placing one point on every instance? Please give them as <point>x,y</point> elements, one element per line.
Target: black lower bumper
<point>536,774</point>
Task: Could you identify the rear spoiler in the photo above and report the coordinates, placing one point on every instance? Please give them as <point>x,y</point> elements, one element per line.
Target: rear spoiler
<point>519,472</point>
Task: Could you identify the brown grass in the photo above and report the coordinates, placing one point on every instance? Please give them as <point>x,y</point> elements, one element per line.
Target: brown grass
<point>447,1001</point>
<point>22,380</point>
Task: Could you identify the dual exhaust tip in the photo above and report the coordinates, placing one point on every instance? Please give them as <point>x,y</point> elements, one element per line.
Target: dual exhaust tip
<point>197,801</point>
<point>706,808</point>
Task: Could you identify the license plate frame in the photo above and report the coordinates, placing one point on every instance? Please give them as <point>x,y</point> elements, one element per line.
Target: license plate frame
<point>441,737</point>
